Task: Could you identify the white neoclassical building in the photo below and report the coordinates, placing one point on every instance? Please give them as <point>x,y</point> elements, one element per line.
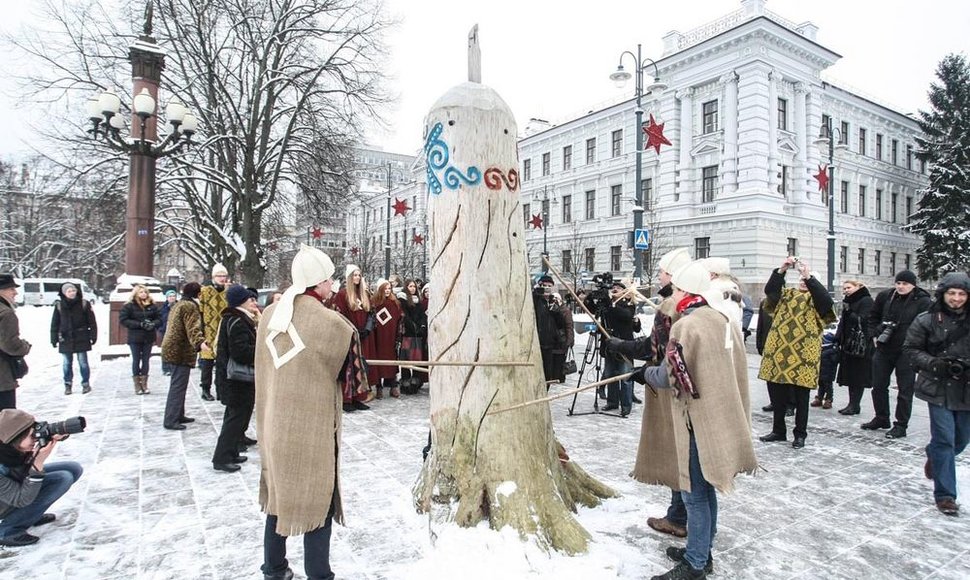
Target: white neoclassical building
<point>744,105</point>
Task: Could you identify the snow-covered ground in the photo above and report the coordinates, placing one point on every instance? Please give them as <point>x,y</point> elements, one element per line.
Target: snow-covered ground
<point>852,504</point>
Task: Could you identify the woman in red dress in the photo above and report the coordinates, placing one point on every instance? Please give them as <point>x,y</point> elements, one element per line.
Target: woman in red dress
<point>353,302</point>
<point>387,332</point>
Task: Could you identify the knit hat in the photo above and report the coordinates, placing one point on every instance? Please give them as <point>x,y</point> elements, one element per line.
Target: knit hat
<point>237,295</point>
<point>546,279</point>
<point>348,272</point>
<point>13,422</point>
<point>907,276</point>
<point>379,282</point>
<point>310,267</point>
<point>219,269</point>
<point>953,280</point>
<point>717,266</point>
<point>170,293</point>
<point>674,259</point>
<point>692,278</point>
<point>67,286</point>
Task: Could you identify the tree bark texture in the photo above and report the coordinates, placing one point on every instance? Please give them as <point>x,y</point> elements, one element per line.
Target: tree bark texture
<point>507,468</point>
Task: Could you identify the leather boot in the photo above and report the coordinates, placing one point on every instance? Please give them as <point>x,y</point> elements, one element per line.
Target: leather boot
<point>85,388</point>
<point>144,385</point>
<point>67,388</point>
<point>137,380</point>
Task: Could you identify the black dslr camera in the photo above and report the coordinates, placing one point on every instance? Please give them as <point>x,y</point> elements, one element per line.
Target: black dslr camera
<point>44,431</point>
<point>887,332</point>
<point>956,369</point>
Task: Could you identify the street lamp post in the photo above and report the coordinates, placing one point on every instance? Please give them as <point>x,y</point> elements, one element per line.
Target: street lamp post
<point>147,62</point>
<point>826,141</point>
<point>620,76</point>
<point>387,238</point>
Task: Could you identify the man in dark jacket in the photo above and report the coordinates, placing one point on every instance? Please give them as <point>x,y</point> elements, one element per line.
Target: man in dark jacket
<point>938,345</point>
<point>73,331</point>
<point>550,326</point>
<point>892,313</point>
<point>11,345</point>
<point>620,321</point>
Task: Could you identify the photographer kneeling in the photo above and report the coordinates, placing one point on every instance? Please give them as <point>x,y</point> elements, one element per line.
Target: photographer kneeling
<point>938,344</point>
<point>28,486</point>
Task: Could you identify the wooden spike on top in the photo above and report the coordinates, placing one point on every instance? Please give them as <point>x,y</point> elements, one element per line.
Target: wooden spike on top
<point>474,56</point>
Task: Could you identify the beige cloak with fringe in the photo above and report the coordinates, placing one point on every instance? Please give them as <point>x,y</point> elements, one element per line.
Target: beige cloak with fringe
<point>298,415</point>
<point>721,417</point>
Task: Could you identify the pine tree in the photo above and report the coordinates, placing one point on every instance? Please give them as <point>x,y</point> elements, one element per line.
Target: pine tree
<point>943,217</point>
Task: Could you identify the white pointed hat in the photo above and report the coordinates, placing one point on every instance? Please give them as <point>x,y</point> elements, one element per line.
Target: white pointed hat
<point>310,267</point>
<point>674,259</point>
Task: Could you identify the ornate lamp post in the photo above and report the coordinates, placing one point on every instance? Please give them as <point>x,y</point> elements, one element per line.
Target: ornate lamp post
<point>826,141</point>
<point>147,63</point>
<point>620,77</point>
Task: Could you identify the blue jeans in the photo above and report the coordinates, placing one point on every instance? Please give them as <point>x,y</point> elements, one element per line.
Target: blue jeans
<point>141,353</point>
<point>67,367</point>
<point>617,392</point>
<point>59,476</point>
<point>701,503</point>
<point>949,434</point>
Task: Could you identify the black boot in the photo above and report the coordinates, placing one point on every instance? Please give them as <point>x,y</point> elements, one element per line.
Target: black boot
<point>207,394</point>
<point>877,423</point>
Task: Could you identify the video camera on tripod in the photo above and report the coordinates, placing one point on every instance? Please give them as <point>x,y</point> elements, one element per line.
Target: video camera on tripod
<point>599,298</point>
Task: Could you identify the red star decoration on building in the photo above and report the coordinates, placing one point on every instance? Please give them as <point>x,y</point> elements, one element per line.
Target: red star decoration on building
<point>655,135</point>
<point>316,232</point>
<point>354,250</point>
<point>536,222</point>
<point>823,178</point>
<point>418,239</point>
<point>400,207</point>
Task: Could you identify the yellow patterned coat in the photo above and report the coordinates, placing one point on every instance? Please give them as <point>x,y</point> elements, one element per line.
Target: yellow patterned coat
<point>793,348</point>
<point>212,301</point>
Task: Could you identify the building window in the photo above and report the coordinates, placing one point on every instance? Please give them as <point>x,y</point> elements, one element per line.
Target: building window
<point>709,116</point>
<point>702,248</point>
<point>844,133</point>
<point>591,204</point>
<point>614,258</point>
<point>844,259</point>
<point>879,146</point>
<point>617,142</point>
<point>567,209</point>
<point>709,184</point>
<point>909,157</point>
<point>878,204</point>
<point>567,260</point>
<point>892,262</point>
<point>526,214</point>
<point>922,166</point>
<point>783,114</point>
<point>893,207</point>
<point>591,150</point>
<point>862,260</point>
<point>826,122</point>
<point>567,157</point>
<point>526,169</point>
<point>545,163</point>
<point>590,259</point>
<point>878,259</point>
<point>845,197</point>
<point>646,191</point>
<point>862,141</point>
<point>895,151</point>
<point>862,201</point>
<point>909,208</point>
<point>908,264</point>
<point>783,186</point>
<point>792,246</point>
<point>616,192</point>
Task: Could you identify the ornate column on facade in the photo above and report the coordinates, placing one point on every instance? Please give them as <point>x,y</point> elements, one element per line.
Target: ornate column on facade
<point>729,157</point>
<point>684,162</point>
<point>802,133</point>
<point>753,126</point>
<point>773,166</point>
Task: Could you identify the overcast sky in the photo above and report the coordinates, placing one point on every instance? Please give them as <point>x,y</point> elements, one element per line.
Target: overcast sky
<point>551,58</point>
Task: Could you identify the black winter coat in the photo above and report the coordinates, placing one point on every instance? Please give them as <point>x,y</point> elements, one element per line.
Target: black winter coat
<point>855,371</point>
<point>415,318</point>
<point>892,307</point>
<point>237,340</point>
<point>764,325</point>
<point>550,324</point>
<point>73,326</point>
<point>134,317</point>
<point>940,334</point>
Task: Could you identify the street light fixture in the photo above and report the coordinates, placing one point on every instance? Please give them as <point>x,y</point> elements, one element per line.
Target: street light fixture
<point>620,77</point>
<point>826,143</point>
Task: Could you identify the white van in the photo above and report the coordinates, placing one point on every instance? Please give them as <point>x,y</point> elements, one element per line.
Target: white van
<point>126,282</point>
<point>43,291</point>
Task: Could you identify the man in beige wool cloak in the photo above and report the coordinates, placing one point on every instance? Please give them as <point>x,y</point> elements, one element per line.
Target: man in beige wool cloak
<point>301,346</point>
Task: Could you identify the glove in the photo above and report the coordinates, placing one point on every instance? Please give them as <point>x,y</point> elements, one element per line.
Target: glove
<point>148,325</point>
<point>613,344</point>
<point>938,367</point>
<point>638,375</point>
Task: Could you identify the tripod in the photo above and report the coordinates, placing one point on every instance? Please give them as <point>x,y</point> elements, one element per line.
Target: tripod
<point>591,356</point>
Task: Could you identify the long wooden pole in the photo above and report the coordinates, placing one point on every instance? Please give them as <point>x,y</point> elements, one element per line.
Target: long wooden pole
<point>564,394</point>
<point>576,298</point>
<point>452,363</point>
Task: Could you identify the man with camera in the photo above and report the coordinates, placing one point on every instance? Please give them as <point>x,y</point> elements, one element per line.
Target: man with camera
<point>617,314</point>
<point>28,483</point>
<point>938,344</point>
<point>892,313</point>
<point>551,328</point>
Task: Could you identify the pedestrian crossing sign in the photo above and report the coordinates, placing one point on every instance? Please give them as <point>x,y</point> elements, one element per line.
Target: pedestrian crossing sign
<point>641,239</point>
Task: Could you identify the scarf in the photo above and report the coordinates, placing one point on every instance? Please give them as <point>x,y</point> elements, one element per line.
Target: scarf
<point>689,301</point>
